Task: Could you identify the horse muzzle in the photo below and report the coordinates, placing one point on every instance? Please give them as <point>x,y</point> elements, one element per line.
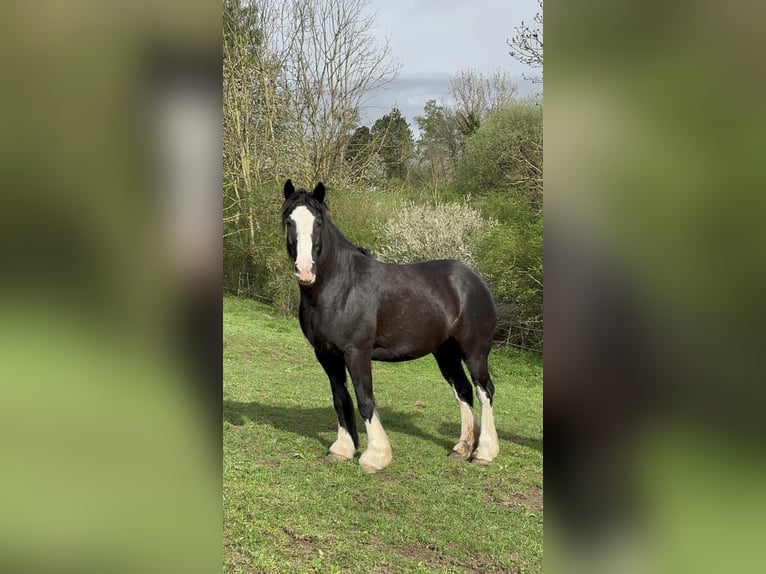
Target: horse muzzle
<point>306,274</point>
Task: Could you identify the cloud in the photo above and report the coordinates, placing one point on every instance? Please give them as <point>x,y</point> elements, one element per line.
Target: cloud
<point>434,39</point>
<point>408,93</point>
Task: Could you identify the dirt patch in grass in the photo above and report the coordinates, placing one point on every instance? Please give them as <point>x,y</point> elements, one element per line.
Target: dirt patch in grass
<point>383,476</point>
<point>240,562</point>
<point>529,498</point>
<point>302,549</point>
<point>303,541</point>
<point>500,491</point>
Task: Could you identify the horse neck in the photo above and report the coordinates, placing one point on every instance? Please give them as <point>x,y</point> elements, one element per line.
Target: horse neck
<point>336,254</point>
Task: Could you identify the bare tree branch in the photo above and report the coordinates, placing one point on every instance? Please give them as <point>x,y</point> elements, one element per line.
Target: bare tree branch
<point>527,44</point>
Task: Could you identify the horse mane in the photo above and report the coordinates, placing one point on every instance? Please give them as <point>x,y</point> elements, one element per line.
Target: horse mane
<point>303,197</point>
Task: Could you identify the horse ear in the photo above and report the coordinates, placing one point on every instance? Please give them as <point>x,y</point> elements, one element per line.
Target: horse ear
<point>318,192</point>
<point>289,189</point>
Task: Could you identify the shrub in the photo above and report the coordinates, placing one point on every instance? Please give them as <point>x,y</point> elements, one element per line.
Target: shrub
<point>505,152</point>
<point>502,166</point>
<point>441,231</point>
<point>360,214</point>
<point>510,257</point>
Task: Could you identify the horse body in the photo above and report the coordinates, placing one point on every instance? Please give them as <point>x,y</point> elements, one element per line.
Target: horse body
<point>355,309</point>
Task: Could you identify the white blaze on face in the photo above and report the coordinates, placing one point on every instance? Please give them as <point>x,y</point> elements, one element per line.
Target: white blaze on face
<point>304,227</point>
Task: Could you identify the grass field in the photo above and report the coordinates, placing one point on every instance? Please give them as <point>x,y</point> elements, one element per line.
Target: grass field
<point>287,509</point>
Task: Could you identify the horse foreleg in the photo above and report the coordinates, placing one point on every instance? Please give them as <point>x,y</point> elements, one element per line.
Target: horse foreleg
<point>345,445</point>
<point>378,454</point>
<point>343,448</point>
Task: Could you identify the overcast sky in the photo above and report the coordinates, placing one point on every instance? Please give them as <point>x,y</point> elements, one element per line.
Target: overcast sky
<point>433,39</point>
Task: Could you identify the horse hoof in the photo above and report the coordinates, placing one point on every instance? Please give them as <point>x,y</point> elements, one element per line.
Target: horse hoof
<point>486,452</point>
<point>481,461</point>
<point>459,456</point>
<point>462,451</point>
<point>332,456</point>
<point>373,461</point>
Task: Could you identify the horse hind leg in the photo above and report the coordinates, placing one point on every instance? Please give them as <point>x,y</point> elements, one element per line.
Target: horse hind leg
<point>488,447</point>
<point>448,357</point>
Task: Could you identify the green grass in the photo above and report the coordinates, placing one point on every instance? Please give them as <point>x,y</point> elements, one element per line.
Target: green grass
<point>287,509</point>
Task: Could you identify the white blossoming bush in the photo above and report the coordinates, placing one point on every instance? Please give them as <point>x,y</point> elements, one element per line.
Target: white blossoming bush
<point>443,231</point>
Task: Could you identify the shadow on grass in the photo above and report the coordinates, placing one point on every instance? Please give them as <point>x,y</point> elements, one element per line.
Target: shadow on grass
<point>307,422</point>
<point>529,442</point>
<point>310,422</point>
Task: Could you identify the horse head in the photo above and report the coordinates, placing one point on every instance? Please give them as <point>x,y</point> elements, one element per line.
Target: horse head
<point>303,216</point>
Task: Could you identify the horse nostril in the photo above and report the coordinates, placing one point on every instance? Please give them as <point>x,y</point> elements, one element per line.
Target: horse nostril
<point>295,268</point>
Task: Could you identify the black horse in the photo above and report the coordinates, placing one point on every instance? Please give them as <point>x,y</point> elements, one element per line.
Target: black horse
<point>355,309</point>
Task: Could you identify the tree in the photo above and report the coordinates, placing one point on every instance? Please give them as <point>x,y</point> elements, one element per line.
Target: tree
<point>440,137</point>
<point>438,146</point>
<point>474,95</point>
<point>397,148</point>
<point>295,74</point>
<point>360,145</point>
<point>527,44</point>
<point>332,63</point>
<point>250,111</point>
<point>445,126</point>
<point>364,164</point>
